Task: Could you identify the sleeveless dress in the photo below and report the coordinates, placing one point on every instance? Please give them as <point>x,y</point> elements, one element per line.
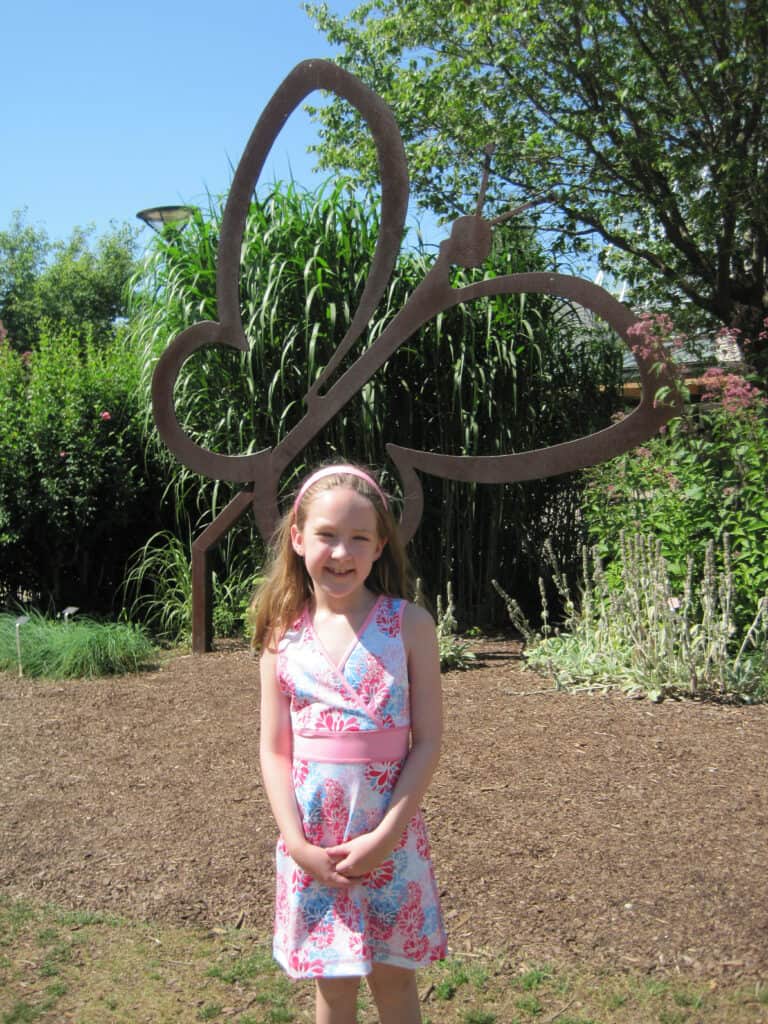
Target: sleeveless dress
<point>393,914</point>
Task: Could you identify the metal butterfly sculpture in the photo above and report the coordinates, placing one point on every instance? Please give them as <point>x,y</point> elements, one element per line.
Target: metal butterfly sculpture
<point>467,246</point>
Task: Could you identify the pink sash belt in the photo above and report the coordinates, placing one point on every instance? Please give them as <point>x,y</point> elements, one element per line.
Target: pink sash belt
<point>354,746</point>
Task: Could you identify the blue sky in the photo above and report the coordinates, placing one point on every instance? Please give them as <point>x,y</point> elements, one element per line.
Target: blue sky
<point>107,108</point>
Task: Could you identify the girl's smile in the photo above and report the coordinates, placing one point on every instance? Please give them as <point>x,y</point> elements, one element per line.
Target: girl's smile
<point>339,542</point>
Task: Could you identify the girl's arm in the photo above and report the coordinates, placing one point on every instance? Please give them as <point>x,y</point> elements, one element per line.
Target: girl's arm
<point>360,855</point>
<point>276,756</point>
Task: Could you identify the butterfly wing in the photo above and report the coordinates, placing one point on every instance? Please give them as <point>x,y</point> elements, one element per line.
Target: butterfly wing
<point>260,467</point>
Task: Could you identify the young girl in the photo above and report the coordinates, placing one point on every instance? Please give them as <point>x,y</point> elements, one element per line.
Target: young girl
<point>351,725</point>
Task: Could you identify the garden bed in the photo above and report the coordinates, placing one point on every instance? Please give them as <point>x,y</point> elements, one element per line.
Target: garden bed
<point>564,827</point>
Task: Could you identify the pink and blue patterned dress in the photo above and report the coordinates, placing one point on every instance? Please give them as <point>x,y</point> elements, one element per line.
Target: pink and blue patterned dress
<point>393,914</point>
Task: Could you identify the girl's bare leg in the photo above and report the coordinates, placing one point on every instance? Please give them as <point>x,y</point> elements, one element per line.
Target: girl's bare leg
<point>336,1000</point>
<point>394,990</point>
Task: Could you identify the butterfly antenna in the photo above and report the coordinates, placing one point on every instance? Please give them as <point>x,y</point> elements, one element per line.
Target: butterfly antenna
<point>520,209</point>
<point>489,151</point>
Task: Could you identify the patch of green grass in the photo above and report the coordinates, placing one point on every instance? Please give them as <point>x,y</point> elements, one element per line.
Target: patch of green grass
<point>128,971</point>
<point>693,1000</point>
<point>530,1005</point>
<point>209,1012</point>
<point>81,918</point>
<point>454,974</point>
<point>78,649</point>
<point>479,1017</point>
<point>672,1017</point>
<point>21,1013</point>
<point>242,969</point>
<point>532,979</point>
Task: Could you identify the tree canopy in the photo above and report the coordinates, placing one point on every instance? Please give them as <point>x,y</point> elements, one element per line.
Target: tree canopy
<point>75,284</point>
<point>642,123</point>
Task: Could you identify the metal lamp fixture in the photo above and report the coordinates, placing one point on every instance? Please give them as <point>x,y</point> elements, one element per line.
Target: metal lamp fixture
<point>158,216</point>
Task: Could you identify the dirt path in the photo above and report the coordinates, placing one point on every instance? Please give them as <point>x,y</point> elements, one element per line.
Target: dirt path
<point>562,826</point>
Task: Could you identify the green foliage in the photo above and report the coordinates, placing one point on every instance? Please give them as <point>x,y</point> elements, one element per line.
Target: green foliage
<point>455,652</point>
<point>77,649</point>
<point>157,589</point>
<point>669,171</point>
<point>454,974</point>
<point>77,285</point>
<point>636,630</point>
<point>704,479</point>
<point>23,251</point>
<point>490,377</point>
<point>76,497</point>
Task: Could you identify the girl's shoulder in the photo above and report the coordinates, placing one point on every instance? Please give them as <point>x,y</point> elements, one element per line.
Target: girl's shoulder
<point>295,632</point>
<point>415,618</point>
<point>414,623</point>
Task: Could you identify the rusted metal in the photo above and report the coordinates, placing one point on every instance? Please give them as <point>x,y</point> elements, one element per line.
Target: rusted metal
<point>467,246</point>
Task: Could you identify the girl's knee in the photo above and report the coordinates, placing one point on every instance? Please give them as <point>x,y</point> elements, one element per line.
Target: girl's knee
<point>338,991</point>
<point>392,983</point>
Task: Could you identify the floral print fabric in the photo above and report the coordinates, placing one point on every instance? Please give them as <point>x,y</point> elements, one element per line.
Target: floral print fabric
<point>393,915</point>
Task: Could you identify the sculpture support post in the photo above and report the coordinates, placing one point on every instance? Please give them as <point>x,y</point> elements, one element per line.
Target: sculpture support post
<point>202,600</point>
<point>202,584</point>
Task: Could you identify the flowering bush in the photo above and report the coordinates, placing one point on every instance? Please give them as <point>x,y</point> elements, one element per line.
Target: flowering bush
<point>75,495</point>
<point>704,478</point>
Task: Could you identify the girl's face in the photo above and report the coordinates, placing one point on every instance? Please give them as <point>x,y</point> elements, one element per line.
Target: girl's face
<point>339,542</point>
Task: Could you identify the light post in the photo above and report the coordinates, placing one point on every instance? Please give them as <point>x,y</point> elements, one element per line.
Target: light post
<point>21,621</point>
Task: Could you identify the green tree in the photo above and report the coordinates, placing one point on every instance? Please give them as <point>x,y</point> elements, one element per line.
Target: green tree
<point>23,252</point>
<point>77,285</point>
<point>641,123</point>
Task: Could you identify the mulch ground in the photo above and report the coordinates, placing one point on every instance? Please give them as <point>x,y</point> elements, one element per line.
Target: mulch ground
<point>563,827</point>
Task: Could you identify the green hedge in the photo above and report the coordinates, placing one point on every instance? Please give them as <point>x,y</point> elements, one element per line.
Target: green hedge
<point>76,496</point>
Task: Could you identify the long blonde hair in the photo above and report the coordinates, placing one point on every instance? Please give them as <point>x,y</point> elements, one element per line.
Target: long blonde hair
<point>287,587</point>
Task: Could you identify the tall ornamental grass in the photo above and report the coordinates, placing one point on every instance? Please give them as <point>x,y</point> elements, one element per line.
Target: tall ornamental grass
<point>81,648</point>
<point>490,377</point>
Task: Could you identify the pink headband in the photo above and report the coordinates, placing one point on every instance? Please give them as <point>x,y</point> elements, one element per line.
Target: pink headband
<point>334,471</point>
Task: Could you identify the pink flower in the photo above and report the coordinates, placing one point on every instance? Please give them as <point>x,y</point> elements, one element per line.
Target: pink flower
<point>105,416</point>
<point>643,452</point>
<point>730,389</point>
<point>651,333</point>
<point>63,455</point>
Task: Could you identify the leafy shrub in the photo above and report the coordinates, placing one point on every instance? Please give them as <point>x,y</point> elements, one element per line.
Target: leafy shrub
<point>76,497</point>
<point>636,629</point>
<point>455,651</point>
<point>705,478</point>
<point>80,648</point>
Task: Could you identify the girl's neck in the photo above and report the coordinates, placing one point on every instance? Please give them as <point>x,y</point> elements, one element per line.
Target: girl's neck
<point>338,628</point>
<point>353,608</point>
